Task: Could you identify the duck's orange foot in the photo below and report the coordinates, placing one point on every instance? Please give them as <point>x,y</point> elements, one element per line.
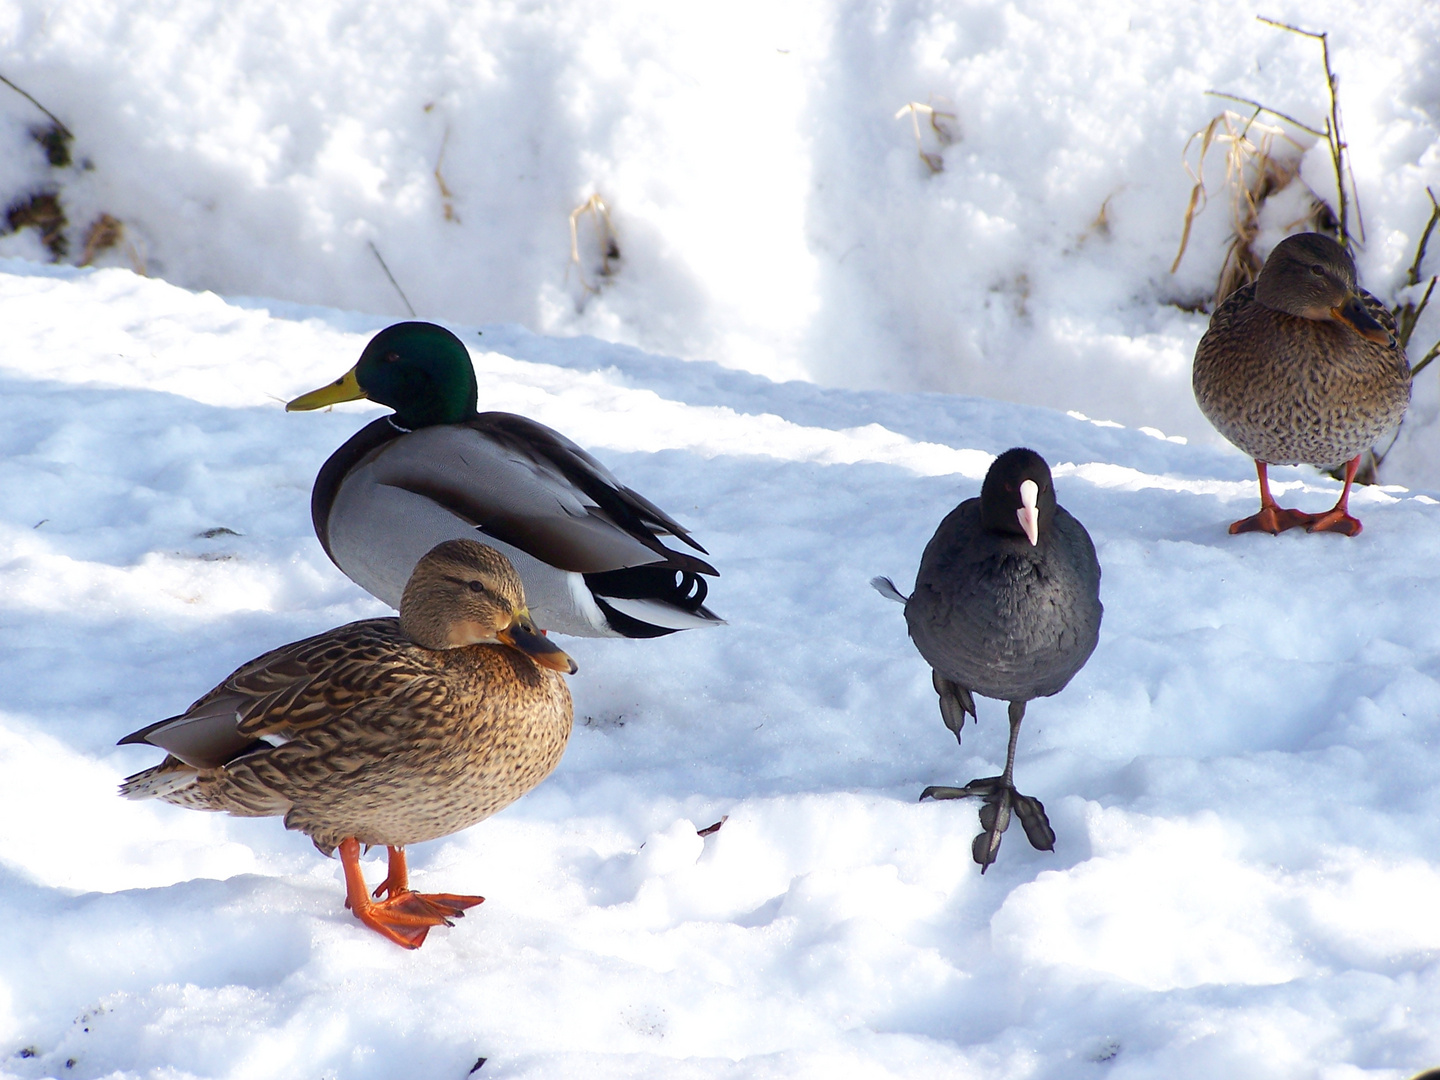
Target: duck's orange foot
<point>1336,521</point>
<point>1273,520</point>
<point>444,906</point>
<point>404,917</point>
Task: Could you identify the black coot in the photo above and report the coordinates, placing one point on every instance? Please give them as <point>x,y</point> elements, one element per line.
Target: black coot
<point>1006,605</point>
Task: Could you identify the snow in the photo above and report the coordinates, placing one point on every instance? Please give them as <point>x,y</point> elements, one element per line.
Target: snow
<point>771,211</point>
<point>808,350</point>
<point>1242,778</point>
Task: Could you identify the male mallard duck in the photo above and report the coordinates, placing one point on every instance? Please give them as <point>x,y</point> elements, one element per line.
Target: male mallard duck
<point>1006,605</point>
<point>386,731</point>
<point>1302,367</point>
<point>587,547</point>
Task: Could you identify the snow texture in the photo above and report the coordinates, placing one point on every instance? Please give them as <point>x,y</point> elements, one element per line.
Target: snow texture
<point>1242,778</point>
<point>771,212</point>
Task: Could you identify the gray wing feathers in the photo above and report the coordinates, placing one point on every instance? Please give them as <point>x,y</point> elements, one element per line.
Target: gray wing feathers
<point>540,512</point>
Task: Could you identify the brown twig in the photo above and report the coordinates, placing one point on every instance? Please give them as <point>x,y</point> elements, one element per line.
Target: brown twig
<point>1334,135</point>
<point>53,118</point>
<point>447,199</point>
<point>1434,352</point>
<point>1413,277</point>
<point>1408,314</point>
<point>381,260</point>
<point>1266,108</point>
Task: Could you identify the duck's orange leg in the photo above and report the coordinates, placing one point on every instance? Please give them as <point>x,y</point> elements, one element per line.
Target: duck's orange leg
<point>1338,519</point>
<point>1272,517</point>
<point>404,917</point>
<point>397,876</point>
<point>397,887</point>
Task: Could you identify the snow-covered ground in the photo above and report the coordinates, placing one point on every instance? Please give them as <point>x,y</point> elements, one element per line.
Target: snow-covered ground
<point>1242,779</point>
<point>771,211</point>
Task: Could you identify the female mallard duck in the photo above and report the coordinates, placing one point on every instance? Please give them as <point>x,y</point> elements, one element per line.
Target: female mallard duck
<point>1006,605</point>
<point>587,547</point>
<point>1302,367</point>
<point>386,731</point>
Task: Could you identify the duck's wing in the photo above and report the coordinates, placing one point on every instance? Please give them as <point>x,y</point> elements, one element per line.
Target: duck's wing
<point>626,507</point>
<point>518,482</point>
<point>289,691</point>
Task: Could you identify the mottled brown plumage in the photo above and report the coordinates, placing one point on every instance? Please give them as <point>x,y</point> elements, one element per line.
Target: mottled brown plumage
<point>386,731</point>
<point>1302,367</point>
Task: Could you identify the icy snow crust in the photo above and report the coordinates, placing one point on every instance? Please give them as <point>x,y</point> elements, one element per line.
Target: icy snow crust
<point>1242,779</point>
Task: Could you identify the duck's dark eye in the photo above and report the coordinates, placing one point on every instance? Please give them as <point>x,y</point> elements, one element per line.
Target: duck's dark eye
<point>1318,270</point>
<point>476,587</point>
<point>392,356</point>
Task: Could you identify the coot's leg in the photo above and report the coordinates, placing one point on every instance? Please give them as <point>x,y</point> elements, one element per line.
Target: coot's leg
<point>1001,800</point>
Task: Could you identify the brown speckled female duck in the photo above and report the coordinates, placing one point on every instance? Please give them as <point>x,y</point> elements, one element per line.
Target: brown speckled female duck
<point>1302,367</point>
<point>386,731</point>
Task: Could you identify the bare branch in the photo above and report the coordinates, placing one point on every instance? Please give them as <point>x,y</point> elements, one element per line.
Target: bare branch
<point>53,118</point>
<point>1434,351</point>
<point>1266,108</point>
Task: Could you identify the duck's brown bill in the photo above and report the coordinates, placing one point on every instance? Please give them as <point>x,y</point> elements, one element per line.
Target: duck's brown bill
<point>522,635</point>
<point>1354,315</point>
<point>345,388</point>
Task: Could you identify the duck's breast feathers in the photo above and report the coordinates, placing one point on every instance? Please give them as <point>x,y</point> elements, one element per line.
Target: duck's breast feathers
<point>338,466</point>
<point>1289,389</point>
<point>516,481</point>
<point>291,690</point>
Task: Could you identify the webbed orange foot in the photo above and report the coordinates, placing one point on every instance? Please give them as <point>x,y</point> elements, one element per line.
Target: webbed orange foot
<point>1273,520</point>
<point>404,917</point>
<point>1336,521</point>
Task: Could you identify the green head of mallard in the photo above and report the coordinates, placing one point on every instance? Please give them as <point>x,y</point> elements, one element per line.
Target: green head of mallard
<point>420,370</point>
<point>1312,276</point>
<point>464,593</point>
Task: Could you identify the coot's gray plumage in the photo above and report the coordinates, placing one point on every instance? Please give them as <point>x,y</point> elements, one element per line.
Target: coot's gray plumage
<point>1006,605</point>
<point>1302,367</point>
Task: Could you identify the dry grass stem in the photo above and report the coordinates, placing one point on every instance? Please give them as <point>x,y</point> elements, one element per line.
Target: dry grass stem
<point>381,260</point>
<point>59,124</point>
<point>1408,313</point>
<point>104,233</point>
<point>1253,172</point>
<point>1334,136</point>
<point>941,123</point>
<point>447,199</point>
<point>605,238</point>
<point>1406,316</point>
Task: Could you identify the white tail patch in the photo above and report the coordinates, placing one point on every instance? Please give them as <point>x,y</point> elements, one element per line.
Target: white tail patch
<point>886,588</point>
